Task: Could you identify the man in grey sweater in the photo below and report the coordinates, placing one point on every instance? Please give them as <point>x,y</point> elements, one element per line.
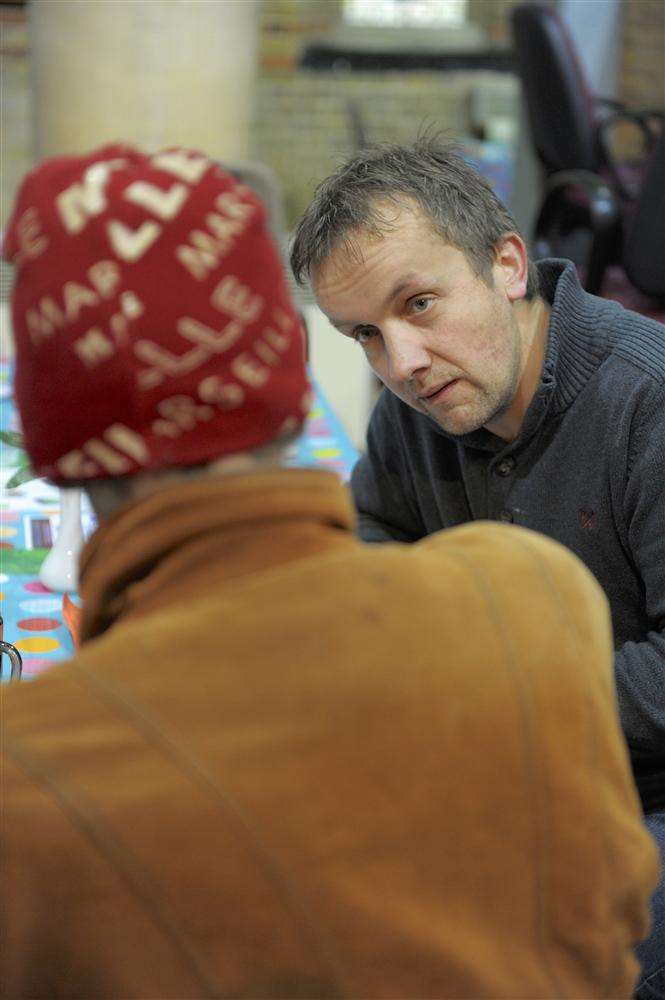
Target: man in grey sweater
<point>511,394</point>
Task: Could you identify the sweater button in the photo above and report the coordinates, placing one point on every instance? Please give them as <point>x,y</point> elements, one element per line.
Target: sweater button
<point>504,467</point>
<point>506,516</point>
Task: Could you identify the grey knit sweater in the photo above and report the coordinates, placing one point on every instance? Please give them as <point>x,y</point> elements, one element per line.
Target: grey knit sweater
<point>587,469</point>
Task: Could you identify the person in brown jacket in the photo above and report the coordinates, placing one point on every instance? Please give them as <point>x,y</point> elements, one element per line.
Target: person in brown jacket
<point>284,764</point>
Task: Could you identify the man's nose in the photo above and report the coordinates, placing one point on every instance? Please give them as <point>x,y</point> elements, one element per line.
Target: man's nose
<point>406,352</point>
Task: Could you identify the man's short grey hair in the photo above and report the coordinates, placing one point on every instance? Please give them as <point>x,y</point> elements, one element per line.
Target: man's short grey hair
<point>433,173</point>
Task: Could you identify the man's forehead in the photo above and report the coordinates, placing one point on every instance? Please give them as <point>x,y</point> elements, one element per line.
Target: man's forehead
<point>388,216</point>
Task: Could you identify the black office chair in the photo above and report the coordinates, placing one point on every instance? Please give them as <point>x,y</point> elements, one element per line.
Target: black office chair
<point>625,259</point>
<point>644,247</point>
<point>571,128</point>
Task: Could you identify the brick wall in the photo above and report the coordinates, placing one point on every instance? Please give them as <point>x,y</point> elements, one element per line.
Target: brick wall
<point>642,74</point>
<point>492,17</point>
<point>304,126</point>
<point>286,24</point>
<point>642,66</point>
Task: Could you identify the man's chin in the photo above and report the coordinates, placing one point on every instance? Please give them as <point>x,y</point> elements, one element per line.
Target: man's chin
<point>457,428</point>
<point>456,422</point>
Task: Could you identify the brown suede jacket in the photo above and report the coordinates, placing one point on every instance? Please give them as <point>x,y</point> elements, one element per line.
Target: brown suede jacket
<point>286,764</point>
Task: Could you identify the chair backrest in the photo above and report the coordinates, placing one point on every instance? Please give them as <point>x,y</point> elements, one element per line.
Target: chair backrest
<point>644,249</point>
<point>558,102</point>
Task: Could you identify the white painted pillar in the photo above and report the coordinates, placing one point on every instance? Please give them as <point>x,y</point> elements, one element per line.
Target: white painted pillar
<point>151,72</point>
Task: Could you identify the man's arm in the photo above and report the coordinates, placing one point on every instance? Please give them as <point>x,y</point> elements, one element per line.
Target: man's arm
<point>640,666</point>
<point>381,480</point>
<point>640,678</point>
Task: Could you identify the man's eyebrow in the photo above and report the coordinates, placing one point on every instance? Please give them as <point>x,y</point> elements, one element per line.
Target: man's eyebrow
<point>392,294</point>
<point>399,287</point>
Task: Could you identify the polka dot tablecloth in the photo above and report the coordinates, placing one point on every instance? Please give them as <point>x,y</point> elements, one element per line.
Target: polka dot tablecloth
<point>33,615</point>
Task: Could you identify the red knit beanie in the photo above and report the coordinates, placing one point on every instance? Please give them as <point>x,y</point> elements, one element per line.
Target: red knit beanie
<point>152,319</point>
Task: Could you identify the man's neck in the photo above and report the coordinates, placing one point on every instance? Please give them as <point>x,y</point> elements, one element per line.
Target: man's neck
<point>532,318</point>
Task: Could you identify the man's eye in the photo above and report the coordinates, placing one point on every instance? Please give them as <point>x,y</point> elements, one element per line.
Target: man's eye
<point>420,303</point>
<point>363,333</point>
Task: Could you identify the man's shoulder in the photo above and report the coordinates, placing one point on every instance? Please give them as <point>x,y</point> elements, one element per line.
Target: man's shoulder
<point>624,343</point>
<point>596,333</point>
<point>629,383</point>
<point>639,345</point>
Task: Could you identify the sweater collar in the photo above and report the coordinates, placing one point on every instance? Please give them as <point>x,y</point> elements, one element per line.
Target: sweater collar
<point>579,329</point>
<point>197,537</point>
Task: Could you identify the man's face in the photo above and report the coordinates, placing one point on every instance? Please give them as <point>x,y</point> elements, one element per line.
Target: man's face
<point>442,339</point>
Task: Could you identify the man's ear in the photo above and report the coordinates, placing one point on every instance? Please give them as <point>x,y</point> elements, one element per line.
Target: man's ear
<point>511,266</point>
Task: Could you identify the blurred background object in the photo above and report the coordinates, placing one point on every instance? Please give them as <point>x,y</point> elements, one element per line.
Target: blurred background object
<point>572,126</point>
<point>604,191</point>
<point>624,244</point>
<point>292,87</point>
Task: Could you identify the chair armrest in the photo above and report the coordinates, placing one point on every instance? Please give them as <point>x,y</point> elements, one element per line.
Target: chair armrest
<point>655,116</point>
<point>594,197</point>
<point>599,198</point>
<point>609,102</point>
<point>610,108</point>
<point>639,118</point>
<point>649,123</point>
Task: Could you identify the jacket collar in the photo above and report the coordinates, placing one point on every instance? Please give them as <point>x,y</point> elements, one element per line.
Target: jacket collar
<point>193,539</point>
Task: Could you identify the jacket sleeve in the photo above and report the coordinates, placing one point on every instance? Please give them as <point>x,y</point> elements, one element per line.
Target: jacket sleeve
<point>640,666</point>
<point>381,481</point>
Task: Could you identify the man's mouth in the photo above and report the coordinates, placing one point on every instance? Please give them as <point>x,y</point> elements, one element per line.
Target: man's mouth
<point>437,392</point>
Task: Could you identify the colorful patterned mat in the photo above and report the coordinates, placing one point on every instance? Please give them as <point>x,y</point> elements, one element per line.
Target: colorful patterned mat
<point>29,515</point>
